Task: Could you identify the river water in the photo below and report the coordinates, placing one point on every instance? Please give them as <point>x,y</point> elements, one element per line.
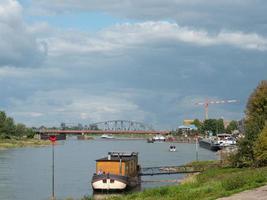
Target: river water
<point>25,173</point>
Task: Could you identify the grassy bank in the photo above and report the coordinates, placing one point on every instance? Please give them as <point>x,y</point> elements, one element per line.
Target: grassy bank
<point>14,143</point>
<point>211,184</point>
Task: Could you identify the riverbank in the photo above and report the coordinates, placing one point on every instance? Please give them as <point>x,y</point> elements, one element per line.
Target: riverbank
<point>15,143</point>
<point>213,183</point>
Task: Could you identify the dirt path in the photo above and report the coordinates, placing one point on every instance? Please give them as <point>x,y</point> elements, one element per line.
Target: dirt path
<point>255,194</point>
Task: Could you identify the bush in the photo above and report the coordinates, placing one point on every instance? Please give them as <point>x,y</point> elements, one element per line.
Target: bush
<point>232,183</point>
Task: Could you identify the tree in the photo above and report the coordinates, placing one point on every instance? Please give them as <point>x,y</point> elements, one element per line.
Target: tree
<point>9,127</point>
<point>260,149</point>
<point>210,125</point>
<point>2,123</point>
<point>21,130</point>
<point>197,123</point>
<point>256,115</point>
<point>219,126</point>
<point>232,126</point>
<point>256,111</point>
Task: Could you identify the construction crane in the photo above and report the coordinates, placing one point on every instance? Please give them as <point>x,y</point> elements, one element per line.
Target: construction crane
<point>207,102</point>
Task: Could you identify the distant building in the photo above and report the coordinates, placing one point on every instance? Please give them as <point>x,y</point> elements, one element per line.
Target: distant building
<point>187,128</point>
<point>188,122</point>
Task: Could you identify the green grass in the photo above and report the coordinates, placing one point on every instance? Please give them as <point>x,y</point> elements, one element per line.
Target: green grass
<point>211,184</point>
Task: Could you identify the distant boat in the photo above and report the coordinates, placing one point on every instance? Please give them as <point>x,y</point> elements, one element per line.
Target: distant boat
<point>107,136</point>
<point>150,140</point>
<point>159,138</point>
<point>172,148</point>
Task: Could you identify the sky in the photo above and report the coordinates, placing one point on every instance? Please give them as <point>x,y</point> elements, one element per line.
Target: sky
<point>85,61</point>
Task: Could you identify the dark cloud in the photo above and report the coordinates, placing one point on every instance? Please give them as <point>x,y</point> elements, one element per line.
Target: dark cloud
<point>152,71</point>
<point>246,15</point>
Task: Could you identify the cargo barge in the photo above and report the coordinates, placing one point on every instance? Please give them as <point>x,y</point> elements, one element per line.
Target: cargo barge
<point>210,144</point>
<point>116,172</point>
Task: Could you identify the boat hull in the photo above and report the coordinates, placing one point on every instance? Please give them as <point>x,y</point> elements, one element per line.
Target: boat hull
<point>209,145</point>
<point>113,182</point>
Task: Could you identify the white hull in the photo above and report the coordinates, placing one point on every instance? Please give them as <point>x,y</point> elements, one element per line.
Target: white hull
<point>172,150</point>
<point>116,185</point>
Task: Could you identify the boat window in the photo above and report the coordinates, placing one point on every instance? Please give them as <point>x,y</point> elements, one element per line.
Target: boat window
<point>111,180</point>
<point>104,180</point>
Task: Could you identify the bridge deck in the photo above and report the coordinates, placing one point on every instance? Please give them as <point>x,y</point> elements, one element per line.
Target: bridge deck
<point>100,132</point>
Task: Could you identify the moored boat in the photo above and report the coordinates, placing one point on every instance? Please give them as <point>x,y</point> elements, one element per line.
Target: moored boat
<point>159,138</point>
<point>117,171</point>
<point>226,140</point>
<point>210,144</point>
<point>150,140</point>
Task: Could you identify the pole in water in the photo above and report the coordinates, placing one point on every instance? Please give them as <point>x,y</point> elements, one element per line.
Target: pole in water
<point>53,176</point>
<point>53,140</point>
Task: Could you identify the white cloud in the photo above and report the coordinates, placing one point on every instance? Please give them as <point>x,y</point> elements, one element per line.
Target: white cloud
<point>17,45</point>
<point>121,37</point>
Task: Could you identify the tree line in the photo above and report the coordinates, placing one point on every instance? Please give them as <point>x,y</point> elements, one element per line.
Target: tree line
<point>9,129</point>
<point>215,126</point>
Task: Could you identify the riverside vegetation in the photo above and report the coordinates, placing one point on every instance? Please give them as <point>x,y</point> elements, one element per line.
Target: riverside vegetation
<point>16,135</point>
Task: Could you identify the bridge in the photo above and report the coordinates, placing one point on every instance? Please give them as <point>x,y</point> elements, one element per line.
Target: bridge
<point>55,131</point>
<point>106,127</point>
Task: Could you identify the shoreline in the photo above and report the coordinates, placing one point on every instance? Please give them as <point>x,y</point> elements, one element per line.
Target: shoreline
<point>18,143</point>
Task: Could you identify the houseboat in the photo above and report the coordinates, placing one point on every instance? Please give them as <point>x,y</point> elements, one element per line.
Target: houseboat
<point>118,171</point>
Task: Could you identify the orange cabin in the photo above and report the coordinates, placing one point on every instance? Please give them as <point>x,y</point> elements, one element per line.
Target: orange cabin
<point>118,163</point>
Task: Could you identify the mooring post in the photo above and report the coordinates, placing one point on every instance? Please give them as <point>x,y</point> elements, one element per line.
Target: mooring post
<point>196,147</point>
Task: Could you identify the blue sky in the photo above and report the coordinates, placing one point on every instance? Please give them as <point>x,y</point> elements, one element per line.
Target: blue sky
<point>151,61</point>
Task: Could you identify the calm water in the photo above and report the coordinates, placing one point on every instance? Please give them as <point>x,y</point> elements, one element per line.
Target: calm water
<point>25,173</point>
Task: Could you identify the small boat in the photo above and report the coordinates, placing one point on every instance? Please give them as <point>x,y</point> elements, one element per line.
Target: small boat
<point>107,136</point>
<point>172,148</point>
<point>150,140</point>
<point>116,172</point>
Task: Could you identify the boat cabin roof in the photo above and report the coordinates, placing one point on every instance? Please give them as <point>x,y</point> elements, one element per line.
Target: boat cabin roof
<point>116,156</point>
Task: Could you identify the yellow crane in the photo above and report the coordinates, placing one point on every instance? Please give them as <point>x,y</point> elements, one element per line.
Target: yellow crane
<point>207,102</point>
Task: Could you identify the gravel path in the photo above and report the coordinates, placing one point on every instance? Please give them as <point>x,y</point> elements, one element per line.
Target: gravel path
<point>255,194</point>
